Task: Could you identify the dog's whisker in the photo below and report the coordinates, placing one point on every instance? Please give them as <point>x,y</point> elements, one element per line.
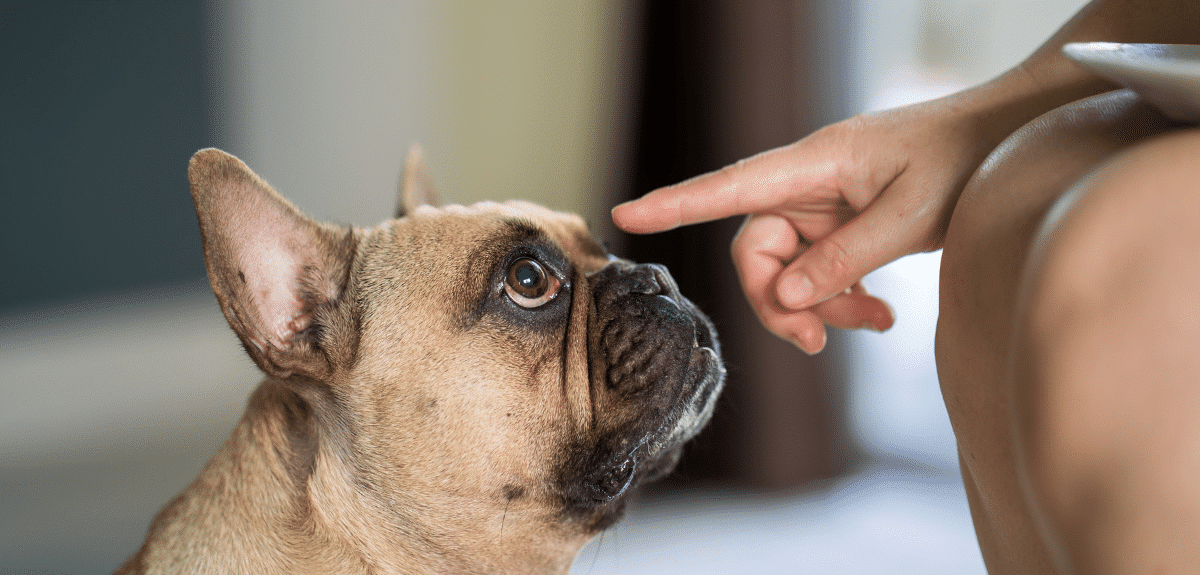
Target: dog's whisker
<point>503,518</point>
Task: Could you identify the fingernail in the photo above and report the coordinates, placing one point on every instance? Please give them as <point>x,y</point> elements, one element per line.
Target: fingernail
<point>794,291</point>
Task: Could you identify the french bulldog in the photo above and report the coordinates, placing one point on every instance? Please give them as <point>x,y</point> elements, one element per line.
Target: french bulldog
<point>457,390</point>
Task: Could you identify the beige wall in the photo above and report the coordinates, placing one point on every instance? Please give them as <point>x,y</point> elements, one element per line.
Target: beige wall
<point>323,99</point>
<point>524,108</point>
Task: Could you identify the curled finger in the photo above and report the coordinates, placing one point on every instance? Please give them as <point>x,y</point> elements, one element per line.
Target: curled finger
<point>761,249</point>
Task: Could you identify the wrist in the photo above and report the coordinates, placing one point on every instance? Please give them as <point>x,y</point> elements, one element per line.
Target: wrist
<point>997,108</point>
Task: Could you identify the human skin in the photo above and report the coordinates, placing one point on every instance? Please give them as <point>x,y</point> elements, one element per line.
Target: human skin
<point>1037,373</point>
<point>855,195</point>
<point>1032,434</point>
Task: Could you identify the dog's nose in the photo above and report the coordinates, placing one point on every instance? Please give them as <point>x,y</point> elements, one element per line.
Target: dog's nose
<point>650,279</point>
<point>622,280</point>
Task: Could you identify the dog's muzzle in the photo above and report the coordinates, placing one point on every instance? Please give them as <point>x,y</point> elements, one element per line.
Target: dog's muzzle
<point>657,362</point>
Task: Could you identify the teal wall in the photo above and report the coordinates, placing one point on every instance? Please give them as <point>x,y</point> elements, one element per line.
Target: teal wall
<point>101,105</point>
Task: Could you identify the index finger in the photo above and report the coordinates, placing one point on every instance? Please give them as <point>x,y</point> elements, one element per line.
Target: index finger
<point>747,186</point>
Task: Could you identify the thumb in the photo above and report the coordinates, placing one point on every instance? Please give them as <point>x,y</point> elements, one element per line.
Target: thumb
<point>838,261</point>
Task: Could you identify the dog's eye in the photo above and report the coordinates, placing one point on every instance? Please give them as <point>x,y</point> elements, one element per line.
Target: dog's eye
<point>528,283</point>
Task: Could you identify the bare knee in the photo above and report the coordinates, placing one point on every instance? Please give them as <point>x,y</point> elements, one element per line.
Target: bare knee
<point>1106,393</point>
<point>986,246</point>
<point>999,211</point>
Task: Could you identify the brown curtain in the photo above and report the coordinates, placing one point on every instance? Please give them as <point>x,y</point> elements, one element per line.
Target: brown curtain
<point>712,82</point>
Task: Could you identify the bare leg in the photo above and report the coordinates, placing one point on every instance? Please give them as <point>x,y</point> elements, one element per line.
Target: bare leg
<point>989,239</point>
<point>1107,366</point>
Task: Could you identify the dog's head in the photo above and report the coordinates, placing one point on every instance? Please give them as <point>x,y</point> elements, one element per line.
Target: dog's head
<point>483,379</point>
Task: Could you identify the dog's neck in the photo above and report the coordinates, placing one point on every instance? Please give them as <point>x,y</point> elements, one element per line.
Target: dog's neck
<point>304,510</point>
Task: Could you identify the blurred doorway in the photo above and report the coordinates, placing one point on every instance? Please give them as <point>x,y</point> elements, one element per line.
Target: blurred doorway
<point>716,81</point>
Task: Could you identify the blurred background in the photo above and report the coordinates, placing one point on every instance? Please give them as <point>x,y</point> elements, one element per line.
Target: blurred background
<point>119,377</point>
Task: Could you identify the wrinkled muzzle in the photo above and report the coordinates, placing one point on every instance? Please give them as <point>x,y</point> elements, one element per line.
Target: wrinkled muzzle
<point>656,371</point>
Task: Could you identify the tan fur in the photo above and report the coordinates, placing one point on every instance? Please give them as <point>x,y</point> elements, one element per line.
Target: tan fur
<point>391,440</point>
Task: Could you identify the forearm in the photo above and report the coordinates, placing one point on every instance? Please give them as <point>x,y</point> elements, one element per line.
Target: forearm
<point>1048,79</point>
<point>1155,21</point>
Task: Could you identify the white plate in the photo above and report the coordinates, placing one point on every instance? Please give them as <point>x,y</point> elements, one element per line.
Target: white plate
<point>1166,75</point>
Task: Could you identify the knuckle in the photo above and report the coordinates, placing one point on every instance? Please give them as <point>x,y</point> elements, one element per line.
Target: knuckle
<point>836,259</point>
<point>736,249</point>
<point>734,175</point>
<point>741,243</point>
<point>736,169</point>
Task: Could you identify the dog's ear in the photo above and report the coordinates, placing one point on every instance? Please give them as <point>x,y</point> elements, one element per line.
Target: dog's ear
<point>278,275</point>
<point>416,185</point>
